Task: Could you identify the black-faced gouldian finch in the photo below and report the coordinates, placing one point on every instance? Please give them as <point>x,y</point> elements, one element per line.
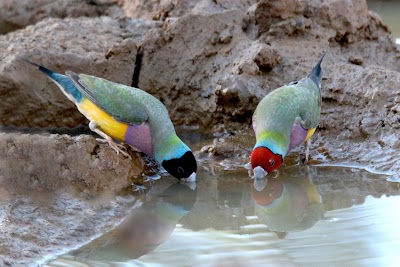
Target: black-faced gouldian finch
<point>284,119</point>
<point>129,115</point>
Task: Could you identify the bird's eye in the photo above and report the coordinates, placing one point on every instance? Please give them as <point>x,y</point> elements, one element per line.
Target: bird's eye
<point>271,162</point>
<point>180,170</point>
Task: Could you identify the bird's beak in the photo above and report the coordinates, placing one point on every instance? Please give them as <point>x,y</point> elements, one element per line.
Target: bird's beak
<point>191,178</point>
<point>191,185</point>
<point>259,172</point>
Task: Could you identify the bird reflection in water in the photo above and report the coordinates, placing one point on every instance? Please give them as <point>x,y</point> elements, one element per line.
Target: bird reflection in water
<point>144,230</point>
<point>287,203</point>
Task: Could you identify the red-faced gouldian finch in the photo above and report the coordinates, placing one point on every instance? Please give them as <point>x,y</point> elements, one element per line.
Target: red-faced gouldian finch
<point>129,115</point>
<point>284,119</point>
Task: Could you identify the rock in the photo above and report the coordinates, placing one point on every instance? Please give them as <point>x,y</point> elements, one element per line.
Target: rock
<point>102,47</point>
<point>58,191</point>
<point>266,57</point>
<point>53,162</point>
<point>184,86</point>
<point>16,15</point>
<point>372,97</point>
<point>339,19</point>
<point>162,9</point>
<point>222,73</point>
<point>371,154</point>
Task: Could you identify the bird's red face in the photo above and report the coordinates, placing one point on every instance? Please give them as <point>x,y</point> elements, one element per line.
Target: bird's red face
<point>265,158</point>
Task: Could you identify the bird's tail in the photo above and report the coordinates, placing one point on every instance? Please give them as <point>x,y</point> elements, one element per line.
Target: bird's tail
<point>41,68</point>
<point>316,73</point>
<point>62,81</point>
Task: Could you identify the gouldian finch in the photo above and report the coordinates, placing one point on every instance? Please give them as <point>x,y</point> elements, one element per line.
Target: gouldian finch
<point>284,119</point>
<point>287,203</point>
<point>129,115</point>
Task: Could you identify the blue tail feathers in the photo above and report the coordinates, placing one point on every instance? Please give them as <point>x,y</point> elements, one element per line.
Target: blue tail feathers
<point>316,73</point>
<point>65,84</point>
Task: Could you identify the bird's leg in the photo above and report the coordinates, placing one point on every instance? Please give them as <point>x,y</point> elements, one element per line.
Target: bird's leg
<point>117,147</point>
<point>151,178</point>
<point>276,174</point>
<point>306,157</point>
<point>139,188</point>
<point>132,148</point>
<point>247,166</point>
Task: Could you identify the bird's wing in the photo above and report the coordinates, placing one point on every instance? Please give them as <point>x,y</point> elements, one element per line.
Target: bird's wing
<point>123,103</point>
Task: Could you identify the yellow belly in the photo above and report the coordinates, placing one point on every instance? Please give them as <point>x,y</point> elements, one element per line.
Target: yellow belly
<point>106,123</point>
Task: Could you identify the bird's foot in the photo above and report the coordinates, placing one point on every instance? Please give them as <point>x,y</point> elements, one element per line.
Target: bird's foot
<point>151,178</point>
<point>138,188</point>
<point>305,157</point>
<point>247,166</point>
<point>118,148</point>
<point>276,174</point>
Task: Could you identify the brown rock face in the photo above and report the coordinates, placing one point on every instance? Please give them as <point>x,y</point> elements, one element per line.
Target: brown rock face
<point>162,9</point>
<point>19,14</point>
<point>228,61</point>
<point>56,162</point>
<point>216,61</point>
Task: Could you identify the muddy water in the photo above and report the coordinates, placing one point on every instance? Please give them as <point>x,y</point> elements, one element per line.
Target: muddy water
<point>389,11</point>
<point>307,216</point>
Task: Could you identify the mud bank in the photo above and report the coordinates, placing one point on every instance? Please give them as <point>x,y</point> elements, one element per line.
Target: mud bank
<point>371,155</point>
<point>57,191</point>
<point>53,162</point>
<point>210,62</point>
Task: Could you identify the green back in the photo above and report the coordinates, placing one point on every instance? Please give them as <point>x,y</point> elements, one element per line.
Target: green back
<point>132,106</point>
<point>279,110</point>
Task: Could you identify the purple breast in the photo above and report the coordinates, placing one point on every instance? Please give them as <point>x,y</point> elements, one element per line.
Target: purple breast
<point>297,136</point>
<point>139,136</point>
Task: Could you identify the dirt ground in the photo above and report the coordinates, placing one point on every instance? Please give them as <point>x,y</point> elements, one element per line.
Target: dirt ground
<point>209,62</point>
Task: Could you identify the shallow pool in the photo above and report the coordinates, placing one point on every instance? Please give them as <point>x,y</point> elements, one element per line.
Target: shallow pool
<point>308,216</point>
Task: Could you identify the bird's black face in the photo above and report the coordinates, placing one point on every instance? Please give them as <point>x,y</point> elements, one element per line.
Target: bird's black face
<point>182,167</point>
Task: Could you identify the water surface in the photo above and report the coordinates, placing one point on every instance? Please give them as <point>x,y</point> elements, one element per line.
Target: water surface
<point>308,216</point>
